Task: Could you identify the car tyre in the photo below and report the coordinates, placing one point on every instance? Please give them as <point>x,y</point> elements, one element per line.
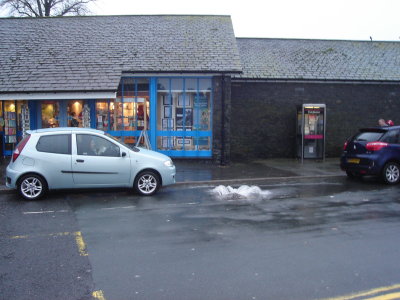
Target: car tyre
<point>32,187</point>
<point>147,183</point>
<point>391,173</point>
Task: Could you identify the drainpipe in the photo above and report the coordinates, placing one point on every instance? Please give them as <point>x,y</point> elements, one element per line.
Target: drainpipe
<point>222,162</point>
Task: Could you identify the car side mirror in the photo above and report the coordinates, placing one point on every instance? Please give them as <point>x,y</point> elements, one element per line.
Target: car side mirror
<point>123,154</point>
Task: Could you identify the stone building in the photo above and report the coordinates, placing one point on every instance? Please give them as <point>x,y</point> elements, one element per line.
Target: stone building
<point>196,89</point>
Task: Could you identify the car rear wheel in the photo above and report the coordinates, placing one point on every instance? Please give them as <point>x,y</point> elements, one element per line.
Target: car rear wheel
<point>32,187</point>
<point>391,173</point>
<point>147,183</point>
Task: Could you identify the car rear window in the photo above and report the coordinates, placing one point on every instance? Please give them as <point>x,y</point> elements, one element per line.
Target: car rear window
<point>59,144</point>
<point>392,137</point>
<point>368,136</point>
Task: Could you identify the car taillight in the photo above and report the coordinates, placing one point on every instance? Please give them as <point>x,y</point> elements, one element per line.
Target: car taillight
<point>19,148</point>
<point>345,145</point>
<point>375,146</point>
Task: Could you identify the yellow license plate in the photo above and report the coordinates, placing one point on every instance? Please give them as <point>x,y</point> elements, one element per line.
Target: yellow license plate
<point>353,160</point>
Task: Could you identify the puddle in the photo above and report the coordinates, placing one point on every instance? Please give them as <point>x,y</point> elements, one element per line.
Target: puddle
<point>243,193</point>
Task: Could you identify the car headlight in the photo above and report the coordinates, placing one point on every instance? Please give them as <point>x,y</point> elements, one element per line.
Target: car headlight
<point>168,163</point>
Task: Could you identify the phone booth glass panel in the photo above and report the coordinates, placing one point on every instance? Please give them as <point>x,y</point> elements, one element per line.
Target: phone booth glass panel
<point>311,120</point>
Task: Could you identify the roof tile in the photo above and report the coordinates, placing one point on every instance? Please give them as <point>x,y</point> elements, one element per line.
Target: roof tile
<point>75,53</point>
<point>319,59</point>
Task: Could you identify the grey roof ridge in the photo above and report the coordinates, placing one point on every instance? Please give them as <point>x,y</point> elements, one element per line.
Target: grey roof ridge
<point>182,71</point>
<point>311,40</point>
<point>107,16</point>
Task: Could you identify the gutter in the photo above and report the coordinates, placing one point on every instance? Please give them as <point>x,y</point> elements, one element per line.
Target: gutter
<point>315,81</point>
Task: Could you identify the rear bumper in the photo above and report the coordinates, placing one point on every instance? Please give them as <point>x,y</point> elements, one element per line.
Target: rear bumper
<point>366,165</point>
<point>11,178</point>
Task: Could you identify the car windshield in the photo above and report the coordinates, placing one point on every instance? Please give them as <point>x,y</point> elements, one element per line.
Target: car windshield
<point>134,148</point>
<point>368,136</point>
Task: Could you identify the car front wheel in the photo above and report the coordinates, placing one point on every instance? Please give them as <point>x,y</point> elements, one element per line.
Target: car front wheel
<point>391,173</point>
<point>32,187</point>
<point>147,183</point>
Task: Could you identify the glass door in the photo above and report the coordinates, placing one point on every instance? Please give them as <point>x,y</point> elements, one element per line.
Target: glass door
<point>132,110</point>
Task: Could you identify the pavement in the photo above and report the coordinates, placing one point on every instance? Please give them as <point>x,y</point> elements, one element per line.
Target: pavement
<point>192,172</point>
<point>203,172</point>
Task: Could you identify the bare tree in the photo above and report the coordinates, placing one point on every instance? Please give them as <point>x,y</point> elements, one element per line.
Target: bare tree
<point>46,8</point>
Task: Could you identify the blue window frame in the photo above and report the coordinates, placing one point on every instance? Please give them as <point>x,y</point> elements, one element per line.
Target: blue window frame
<point>184,116</point>
<point>177,114</point>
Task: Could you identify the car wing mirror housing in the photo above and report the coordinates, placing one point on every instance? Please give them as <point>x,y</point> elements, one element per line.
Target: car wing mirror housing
<point>123,154</point>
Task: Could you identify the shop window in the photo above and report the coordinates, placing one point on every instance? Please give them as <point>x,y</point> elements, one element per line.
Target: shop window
<point>183,110</point>
<point>50,114</point>
<point>132,107</point>
<point>75,113</point>
<point>105,118</point>
<point>22,107</point>
<point>1,117</point>
<point>10,125</point>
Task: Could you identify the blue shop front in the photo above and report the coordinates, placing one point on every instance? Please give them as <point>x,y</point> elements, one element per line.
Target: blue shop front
<point>175,113</point>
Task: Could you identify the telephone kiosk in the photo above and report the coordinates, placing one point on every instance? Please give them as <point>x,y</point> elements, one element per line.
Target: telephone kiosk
<point>310,135</point>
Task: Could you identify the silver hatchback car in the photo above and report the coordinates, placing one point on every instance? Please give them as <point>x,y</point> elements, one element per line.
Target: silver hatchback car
<point>64,158</point>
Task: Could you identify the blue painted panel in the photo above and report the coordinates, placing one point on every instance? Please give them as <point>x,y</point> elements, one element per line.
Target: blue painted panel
<point>62,116</point>
<point>124,133</point>
<point>33,114</point>
<point>92,106</point>
<point>185,133</point>
<point>153,112</point>
<point>186,153</point>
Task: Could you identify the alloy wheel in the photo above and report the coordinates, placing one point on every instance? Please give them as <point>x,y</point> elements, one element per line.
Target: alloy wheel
<point>392,173</point>
<point>147,184</point>
<point>31,187</point>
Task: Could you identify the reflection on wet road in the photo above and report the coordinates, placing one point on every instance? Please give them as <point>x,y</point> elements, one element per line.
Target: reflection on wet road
<point>305,239</point>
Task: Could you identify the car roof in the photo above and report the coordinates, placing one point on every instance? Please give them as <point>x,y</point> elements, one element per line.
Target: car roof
<point>64,129</point>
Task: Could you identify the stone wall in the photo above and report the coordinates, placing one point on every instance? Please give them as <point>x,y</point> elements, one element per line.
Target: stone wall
<point>263,114</point>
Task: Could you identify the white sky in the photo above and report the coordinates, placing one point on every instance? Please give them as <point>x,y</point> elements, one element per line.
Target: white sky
<point>311,19</point>
<point>315,19</point>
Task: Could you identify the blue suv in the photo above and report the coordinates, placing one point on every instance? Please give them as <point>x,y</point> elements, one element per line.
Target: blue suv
<point>373,151</point>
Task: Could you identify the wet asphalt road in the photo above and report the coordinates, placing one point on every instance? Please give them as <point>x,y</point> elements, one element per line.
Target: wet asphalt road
<point>299,239</point>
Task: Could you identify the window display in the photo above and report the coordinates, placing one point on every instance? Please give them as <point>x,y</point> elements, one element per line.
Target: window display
<point>24,119</point>
<point>133,107</point>
<point>75,113</point>
<point>183,110</point>
<point>10,124</point>
<point>102,115</point>
<point>1,117</point>
<point>50,114</point>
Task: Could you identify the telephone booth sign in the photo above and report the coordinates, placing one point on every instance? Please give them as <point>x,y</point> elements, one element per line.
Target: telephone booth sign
<point>311,120</point>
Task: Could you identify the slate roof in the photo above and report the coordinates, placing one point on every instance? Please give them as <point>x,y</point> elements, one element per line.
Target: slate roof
<point>291,59</point>
<point>90,53</point>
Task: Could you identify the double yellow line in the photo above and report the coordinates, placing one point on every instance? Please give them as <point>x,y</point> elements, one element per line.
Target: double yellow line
<point>78,239</point>
<point>382,293</point>
<point>99,295</point>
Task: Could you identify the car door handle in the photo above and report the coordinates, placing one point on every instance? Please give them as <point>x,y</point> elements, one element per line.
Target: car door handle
<point>80,160</point>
